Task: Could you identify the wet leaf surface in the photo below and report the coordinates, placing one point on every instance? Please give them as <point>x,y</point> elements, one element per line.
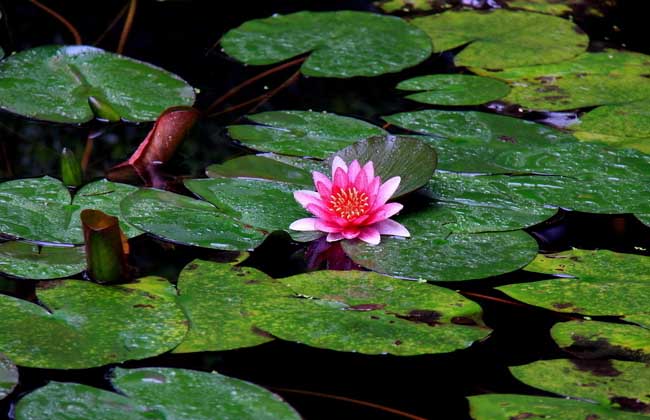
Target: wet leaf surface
<point>608,382</point>
<point>367,313</point>
<point>302,133</point>
<point>29,261</point>
<point>55,83</point>
<point>519,407</point>
<point>185,220</point>
<point>157,393</point>
<point>8,376</point>
<point>596,339</point>
<point>503,38</point>
<point>94,325</point>
<point>340,44</point>
<point>260,167</point>
<point>454,89</point>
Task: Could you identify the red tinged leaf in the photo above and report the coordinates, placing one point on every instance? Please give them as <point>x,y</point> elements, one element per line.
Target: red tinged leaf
<point>158,147</point>
<point>107,247</point>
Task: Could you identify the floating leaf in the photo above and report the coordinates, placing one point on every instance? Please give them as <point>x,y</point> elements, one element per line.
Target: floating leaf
<point>218,299</point>
<point>407,157</point>
<point>260,167</point>
<point>302,133</point>
<point>639,319</point>
<point>341,44</point>
<point>55,83</point>
<point>29,261</point>
<point>392,6</point>
<point>93,325</point>
<point>503,38</point>
<point>608,77</point>
<point>595,339</point>
<point>153,393</point>
<point>510,406</point>
<point>8,376</point>
<point>372,314</point>
<point>182,219</point>
<point>607,382</point>
<point>454,89</point>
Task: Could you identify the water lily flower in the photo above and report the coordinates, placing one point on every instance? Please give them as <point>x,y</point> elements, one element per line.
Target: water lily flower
<point>353,204</point>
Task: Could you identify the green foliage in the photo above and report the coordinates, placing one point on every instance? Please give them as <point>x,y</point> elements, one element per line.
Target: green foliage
<point>29,261</point>
<point>8,376</point>
<point>454,89</point>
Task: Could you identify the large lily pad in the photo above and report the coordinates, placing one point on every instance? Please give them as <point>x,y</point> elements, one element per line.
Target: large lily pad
<point>608,77</point>
<point>302,133</point>
<point>341,44</point>
<point>56,83</point>
<point>369,313</point>
<point>454,89</point>
<point>24,260</point>
<point>218,299</point>
<point>41,209</point>
<point>8,376</point>
<point>93,325</point>
<point>182,219</point>
<point>607,382</point>
<point>157,393</point>
<point>260,167</point>
<point>596,339</point>
<point>503,38</point>
<point>510,406</point>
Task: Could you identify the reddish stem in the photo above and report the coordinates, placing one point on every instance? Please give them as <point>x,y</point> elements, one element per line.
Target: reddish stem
<point>57,16</point>
<point>112,24</point>
<point>88,151</point>
<point>128,23</point>
<point>492,298</point>
<point>385,126</point>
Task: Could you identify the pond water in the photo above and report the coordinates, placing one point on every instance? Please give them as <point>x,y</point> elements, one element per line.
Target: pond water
<point>181,37</point>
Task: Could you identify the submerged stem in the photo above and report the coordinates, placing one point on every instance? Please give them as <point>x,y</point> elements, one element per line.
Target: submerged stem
<point>112,24</point>
<point>57,16</point>
<point>128,23</point>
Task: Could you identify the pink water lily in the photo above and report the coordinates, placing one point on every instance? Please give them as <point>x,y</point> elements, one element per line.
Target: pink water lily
<point>353,204</point>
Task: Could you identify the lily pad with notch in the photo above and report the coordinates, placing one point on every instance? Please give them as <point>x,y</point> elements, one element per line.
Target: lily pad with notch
<point>35,262</point>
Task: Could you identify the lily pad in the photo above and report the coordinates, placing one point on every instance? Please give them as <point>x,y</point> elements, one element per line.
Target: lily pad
<point>372,314</point>
<point>610,383</point>
<point>392,6</point>
<point>504,38</point>
<point>56,83</point>
<point>340,44</point>
<point>41,209</point>
<point>182,219</point>
<point>562,7</point>
<point>260,167</point>
<point>94,325</point>
<point>602,78</point>
<point>510,406</point>
<point>596,339</point>
<point>302,133</point>
<point>157,393</point>
<point>8,376</point>
<point>454,89</point>
<point>639,319</point>
<point>218,300</point>
<point>29,261</point>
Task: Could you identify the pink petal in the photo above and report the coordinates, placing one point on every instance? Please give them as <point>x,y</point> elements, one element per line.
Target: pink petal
<point>369,169</point>
<point>305,197</point>
<point>386,191</point>
<point>361,182</point>
<point>391,227</point>
<point>325,226</point>
<point>370,235</point>
<point>392,209</point>
<point>354,169</point>
<point>334,236</point>
<point>338,163</point>
<point>318,211</point>
<point>340,179</point>
<point>305,224</point>
<point>323,184</point>
<point>351,233</point>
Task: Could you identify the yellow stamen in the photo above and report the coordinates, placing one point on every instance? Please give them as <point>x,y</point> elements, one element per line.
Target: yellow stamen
<point>349,203</point>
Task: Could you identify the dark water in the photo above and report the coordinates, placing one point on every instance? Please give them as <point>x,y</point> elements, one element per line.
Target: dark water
<point>180,36</point>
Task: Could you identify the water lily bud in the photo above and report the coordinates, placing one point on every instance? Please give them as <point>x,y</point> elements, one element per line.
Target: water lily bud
<point>71,172</point>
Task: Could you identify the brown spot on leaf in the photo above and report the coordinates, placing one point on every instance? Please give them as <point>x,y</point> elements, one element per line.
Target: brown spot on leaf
<point>548,88</point>
<point>260,332</point>
<point>252,281</point>
<point>601,348</point>
<point>366,307</point>
<point>43,285</point>
<point>397,342</point>
<point>422,316</point>
<point>192,266</point>
<point>631,404</point>
<point>508,139</point>
<point>597,367</point>
<point>143,305</point>
<point>546,79</point>
<point>555,97</point>
<point>523,416</point>
<point>462,320</point>
<point>562,305</point>
<point>592,417</point>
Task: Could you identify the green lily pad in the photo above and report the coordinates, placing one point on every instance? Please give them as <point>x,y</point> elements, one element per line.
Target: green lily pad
<point>602,78</point>
<point>372,314</point>
<point>341,44</point>
<point>392,6</point>
<point>157,393</point>
<point>55,83</point>
<point>504,38</point>
<point>510,406</point>
<point>29,261</point>
<point>218,300</point>
<point>260,167</point>
<point>454,89</point>
<point>639,319</point>
<point>607,382</point>
<point>41,209</point>
<point>302,133</point>
<point>407,157</point>
<point>8,376</point>
<point>182,219</point>
<point>624,125</point>
<point>562,7</point>
<point>595,339</point>
<point>93,325</point>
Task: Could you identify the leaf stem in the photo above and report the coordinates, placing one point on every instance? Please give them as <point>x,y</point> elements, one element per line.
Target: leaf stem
<point>88,151</point>
<point>57,16</point>
<point>492,298</point>
<point>128,23</point>
<point>112,24</point>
